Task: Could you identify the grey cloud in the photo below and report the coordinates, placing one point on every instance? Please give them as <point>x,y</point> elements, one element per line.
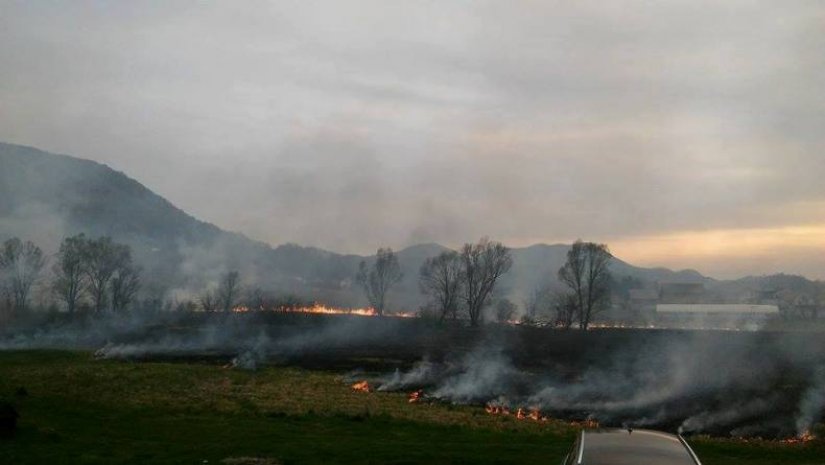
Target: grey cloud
<point>352,124</point>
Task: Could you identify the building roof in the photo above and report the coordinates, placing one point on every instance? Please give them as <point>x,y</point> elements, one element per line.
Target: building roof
<point>724,309</point>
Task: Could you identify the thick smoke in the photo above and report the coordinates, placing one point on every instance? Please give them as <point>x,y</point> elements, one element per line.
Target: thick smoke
<point>812,404</point>
<point>692,384</point>
<point>423,373</point>
<point>737,383</point>
<point>246,340</point>
<point>484,374</point>
<point>735,413</point>
<point>251,359</point>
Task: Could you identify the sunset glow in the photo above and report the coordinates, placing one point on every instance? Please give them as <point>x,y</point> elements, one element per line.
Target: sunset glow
<point>764,250</point>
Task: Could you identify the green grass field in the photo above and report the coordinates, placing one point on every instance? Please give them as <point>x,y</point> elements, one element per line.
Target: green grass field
<point>84,411</point>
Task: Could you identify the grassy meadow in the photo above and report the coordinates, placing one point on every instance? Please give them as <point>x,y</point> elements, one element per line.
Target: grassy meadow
<point>78,410</point>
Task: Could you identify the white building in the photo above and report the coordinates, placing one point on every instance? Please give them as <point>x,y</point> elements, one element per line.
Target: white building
<point>739,316</point>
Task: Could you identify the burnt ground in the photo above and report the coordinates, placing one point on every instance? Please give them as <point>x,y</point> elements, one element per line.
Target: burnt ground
<point>712,382</point>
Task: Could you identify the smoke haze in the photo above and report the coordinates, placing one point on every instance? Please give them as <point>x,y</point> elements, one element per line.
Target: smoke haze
<point>314,122</point>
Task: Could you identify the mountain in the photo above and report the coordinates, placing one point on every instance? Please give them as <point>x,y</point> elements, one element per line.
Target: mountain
<point>45,197</point>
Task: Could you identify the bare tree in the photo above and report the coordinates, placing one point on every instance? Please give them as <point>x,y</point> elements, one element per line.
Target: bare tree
<point>69,279</point>
<point>482,264</point>
<point>125,283</point>
<point>587,275</point>
<point>229,291</point>
<point>564,306</point>
<point>102,258</point>
<point>20,266</point>
<point>377,280</point>
<point>536,302</point>
<point>208,301</point>
<point>441,278</point>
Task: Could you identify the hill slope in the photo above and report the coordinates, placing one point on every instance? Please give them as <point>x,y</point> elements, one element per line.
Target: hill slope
<point>45,197</point>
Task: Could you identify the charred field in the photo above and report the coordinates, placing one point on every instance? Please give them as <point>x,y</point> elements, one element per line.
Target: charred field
<point>209,387</point>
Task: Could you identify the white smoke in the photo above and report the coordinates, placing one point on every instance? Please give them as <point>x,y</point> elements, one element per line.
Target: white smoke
<point>485,372</point>
<point>812,404</point>
<point>256,355</point>
<point>422,373</point>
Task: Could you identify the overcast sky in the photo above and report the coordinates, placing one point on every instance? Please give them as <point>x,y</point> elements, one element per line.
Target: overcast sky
<point>683,134</point>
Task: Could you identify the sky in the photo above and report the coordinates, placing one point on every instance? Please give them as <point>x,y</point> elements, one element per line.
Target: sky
<point>686,134</point>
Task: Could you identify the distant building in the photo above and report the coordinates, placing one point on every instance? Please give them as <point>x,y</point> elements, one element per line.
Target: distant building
<point>734,316</point>
<point>691,305</point>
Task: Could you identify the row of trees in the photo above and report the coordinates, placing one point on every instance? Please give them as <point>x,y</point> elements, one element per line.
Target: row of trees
<point>20,267</point>
<point>225,297</point>
<point>452,280</point>
<point>230,294</point>
<point>586,275</point>
<point>97,271</point>
<point>465,281</point>
<point>100,273</point>
<point>377,280</point>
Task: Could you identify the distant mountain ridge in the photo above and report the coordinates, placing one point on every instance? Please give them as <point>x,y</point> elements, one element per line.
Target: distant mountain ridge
<point>44,197</point>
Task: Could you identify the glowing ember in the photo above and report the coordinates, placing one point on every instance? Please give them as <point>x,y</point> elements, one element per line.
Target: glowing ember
<point>807,436</point>
<point>362,386</point>
<point>415,396</point>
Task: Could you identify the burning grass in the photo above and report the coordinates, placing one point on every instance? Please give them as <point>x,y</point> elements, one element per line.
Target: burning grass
<point>321,309</point>
<point>79,410</point>
<point>362,386</point>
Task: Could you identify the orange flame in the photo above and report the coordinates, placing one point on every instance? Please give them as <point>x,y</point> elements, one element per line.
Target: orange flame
<point>415,396</point>
<point>536,415</point>
<point>362,386</point>
<point>521,413</point>
<point>323,309</point>
<point>807,436</point>
<point>497,410</point>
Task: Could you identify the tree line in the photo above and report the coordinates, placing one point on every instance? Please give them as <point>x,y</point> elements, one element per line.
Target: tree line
<point>463,282</point>
<point>99,274</point>
<point>94,273</point>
